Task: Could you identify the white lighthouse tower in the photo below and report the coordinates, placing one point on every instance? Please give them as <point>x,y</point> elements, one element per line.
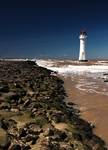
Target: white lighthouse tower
<point>82,53</point>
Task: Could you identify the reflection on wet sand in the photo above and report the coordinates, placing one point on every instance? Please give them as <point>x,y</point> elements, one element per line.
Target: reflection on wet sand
<point>91,96</point>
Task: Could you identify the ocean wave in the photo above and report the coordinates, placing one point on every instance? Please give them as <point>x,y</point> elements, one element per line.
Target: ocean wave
<point>68,68</point>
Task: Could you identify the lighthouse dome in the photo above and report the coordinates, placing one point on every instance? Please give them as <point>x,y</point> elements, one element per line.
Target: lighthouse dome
<point>83,33</point>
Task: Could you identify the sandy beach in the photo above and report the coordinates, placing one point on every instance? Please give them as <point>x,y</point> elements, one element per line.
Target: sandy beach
<point>93,106</point>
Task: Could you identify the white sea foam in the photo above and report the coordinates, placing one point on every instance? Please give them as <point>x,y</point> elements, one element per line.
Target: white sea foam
<point>83,72</point>
<point>70,69</point>
<point>45,63</point>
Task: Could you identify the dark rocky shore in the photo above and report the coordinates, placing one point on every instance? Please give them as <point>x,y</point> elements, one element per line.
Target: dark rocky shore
<point>34,114</point>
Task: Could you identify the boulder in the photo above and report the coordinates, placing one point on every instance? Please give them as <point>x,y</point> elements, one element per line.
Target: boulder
<point>70,103</point>
<point>25,147</point>
<point>13,132</point>
<point>49,132</point>
<point>22,132</point>
<point>34,129</point>
<point>4,124</point>
<point>55,145</point>
<point>5,105</point>
<point>32,138</point>
<point>4,88</point>
<point>4,139</point>
<point>58,116</point>
<point>26,103</point>
<point>15,147</point>
<point>14,110</point>
<point>65,146</point>
<point>59,135</point>
<point>20,101</point>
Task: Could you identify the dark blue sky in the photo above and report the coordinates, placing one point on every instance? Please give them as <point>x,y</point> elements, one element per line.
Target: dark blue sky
<point>37,28</point>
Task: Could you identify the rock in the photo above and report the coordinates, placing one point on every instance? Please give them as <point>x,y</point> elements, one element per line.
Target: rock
<point>32,105</point>
<point>15,147</point>
<point>55,145</point>
<point>17,85</point>
<point>65,146</point>
<point>70,103</point>
<point>22,132</point>
<point>45,144</point>
<point>32,138</point>
<point>78,145</point>
<point>56,137</point>
<point>4,88</point>
<point>63,135</point>
<point>14,110</point>
<point>25,147</point>
<point>21,107</point>
<point>58,117</point>
<point>4,124</point>
<point>22,93</point>
<point>15,97</point>
<point>105,74</point>
<point>8,124</point>
<point>34,110</point>
<point>77,136</point>
<point>59,135</point>
<point>106,80</point>
<point>4,139</point>
<point>12,123</point>
<point>34,129</point>
<point>49,132</point>
<point>26,103</point>
<point>13,131</point>
<point>5,105</point>
<point>92,125</point>
<point>20,101</point>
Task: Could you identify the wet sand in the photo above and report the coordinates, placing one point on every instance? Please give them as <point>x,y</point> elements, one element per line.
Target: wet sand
<point>86,88</point>
<point>91,97</point>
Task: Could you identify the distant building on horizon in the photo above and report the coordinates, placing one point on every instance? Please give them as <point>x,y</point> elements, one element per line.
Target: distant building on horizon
<point>82,51</point>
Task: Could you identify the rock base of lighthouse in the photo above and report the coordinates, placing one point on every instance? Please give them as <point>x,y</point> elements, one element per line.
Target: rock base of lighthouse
<point>83,60</point>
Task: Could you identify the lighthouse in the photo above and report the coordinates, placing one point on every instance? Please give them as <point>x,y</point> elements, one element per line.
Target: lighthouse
<point>82,52</point>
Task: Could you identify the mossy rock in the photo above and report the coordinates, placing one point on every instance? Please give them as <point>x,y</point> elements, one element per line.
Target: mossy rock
<point>4,140</point>
<point>41,121</point>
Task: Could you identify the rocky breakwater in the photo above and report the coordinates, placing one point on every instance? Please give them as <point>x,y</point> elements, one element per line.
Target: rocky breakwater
<point>105,77</point>
<point>34,114</point>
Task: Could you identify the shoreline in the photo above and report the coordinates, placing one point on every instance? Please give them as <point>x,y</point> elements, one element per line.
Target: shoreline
<point>92,106</point>
<point>34,114</point>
